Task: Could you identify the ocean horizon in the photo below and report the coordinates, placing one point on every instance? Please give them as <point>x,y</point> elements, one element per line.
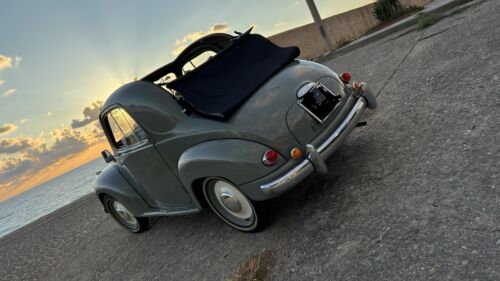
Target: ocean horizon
<point>43,199</point>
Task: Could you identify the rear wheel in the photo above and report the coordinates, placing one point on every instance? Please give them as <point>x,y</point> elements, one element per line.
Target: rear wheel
<point>232,206</point>
<point>124,217</point>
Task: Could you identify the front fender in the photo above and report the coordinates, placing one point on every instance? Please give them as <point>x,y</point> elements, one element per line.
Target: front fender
<point>112,183</point>
<point>239,161</point>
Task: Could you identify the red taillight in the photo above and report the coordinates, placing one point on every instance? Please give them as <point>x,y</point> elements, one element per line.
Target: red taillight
<point>346,77</point>
<point>270,158</point>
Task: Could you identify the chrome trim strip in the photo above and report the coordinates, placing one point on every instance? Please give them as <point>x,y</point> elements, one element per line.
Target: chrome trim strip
<point>304,168</point>
<point>163,213</point>
<point>304,89</point>
<point>358,107</point>
<point>299,102</point>
<point>299,172</point>
<point>315,158</point>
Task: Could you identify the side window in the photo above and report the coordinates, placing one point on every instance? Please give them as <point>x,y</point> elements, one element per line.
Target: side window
<point>124,130</point>
<point>197,61</point>
<point>167,78</point>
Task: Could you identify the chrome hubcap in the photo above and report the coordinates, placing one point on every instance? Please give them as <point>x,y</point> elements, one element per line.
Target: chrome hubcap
<point>232,200</point>
<point>124,214</point>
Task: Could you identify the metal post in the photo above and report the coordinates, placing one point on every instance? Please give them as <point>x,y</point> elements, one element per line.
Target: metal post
<point>319,25</point>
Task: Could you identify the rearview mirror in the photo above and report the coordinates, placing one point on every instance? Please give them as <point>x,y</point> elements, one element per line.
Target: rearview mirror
<point>108,157</point>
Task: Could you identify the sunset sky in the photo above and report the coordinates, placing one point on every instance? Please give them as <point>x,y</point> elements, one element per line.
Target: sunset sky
<point>60,59</point>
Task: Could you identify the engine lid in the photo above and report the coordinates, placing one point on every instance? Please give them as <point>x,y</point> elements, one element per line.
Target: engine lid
<point>305,119</point>
<point>273,116</point>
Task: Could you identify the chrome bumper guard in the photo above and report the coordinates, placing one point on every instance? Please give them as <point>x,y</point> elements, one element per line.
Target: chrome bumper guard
<point>317,156</point>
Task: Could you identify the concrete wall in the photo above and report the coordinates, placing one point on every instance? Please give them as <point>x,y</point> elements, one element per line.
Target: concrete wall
<point>339,28</point>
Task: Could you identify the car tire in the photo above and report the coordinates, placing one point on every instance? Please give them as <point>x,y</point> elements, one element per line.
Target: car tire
<point>233,207</point>
<point>124,217</point>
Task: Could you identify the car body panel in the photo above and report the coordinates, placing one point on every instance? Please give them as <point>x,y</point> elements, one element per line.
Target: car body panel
<point>252,189</point>
<point>150,106</point>
<point>154,177</point>
<point>238,161</point>
<point>302,125</point>
<point>264,116</point>
<point>293,172</point>
<point>112,182</point>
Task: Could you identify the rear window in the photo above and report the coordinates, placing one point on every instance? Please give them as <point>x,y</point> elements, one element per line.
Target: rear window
<point>197,61</point>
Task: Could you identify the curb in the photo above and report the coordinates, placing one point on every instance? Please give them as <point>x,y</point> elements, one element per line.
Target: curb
<point>397,26</point>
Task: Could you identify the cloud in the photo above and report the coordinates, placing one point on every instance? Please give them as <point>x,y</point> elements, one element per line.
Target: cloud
<point>2,82</point>
<point>178,49</point>
<point>17,60</point>
<point>5,62</point>
<point>49,113</point>
<point>280,24</point>
<point>18,144</point>
<point>8,92</point>
<point>8,62</point>
<point>90,114</point>
<point>181,44</point>
<point>68,142</point>
<point>11,168</point>
<point>219,27</point>
<point>7,128</point>
<point>24,120</point>
<point>10,163</point>
<point>24,158</point>
<point>33,155</point>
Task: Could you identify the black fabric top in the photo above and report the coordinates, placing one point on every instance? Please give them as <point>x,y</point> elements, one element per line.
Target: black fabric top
<point>220,86</point>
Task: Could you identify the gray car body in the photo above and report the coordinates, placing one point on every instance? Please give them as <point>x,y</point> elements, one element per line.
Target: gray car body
<point>164,175</point>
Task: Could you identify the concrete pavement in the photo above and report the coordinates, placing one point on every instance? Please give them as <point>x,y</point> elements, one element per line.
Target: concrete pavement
<point>435,6</point>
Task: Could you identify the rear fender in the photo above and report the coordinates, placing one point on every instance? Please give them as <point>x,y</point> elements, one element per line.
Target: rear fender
<point>238,161</point>
<point>111,182</point>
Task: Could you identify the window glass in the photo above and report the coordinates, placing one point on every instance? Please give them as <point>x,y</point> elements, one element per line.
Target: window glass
<point>197,61</point>
<point>168,78</point>
<point>136,129</point>
<point>117,134</point>
<point>125,131</point>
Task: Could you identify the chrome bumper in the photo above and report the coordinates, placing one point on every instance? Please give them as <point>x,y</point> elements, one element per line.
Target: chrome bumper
<point>317,156</point>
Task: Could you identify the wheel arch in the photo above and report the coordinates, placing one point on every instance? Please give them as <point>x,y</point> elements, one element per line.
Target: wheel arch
<point>236,160</point>
<point>111,182</point>
<point>197,189</point>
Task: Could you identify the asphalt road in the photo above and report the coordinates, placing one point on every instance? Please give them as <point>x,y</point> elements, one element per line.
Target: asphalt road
<point>415,195</point>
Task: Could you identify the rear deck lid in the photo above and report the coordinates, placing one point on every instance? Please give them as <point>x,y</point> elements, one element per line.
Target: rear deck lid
<point>307,117</point>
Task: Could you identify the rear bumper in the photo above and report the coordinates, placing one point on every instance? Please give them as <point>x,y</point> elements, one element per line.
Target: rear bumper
<point>317,155</point>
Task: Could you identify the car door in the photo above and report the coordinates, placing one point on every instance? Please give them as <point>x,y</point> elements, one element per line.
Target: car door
<point>135,152</point>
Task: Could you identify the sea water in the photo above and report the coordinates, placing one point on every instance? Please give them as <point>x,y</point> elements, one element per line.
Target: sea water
<point>43,199</point>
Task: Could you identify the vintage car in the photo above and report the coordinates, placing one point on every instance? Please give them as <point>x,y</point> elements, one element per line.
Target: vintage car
<point>231,122</point>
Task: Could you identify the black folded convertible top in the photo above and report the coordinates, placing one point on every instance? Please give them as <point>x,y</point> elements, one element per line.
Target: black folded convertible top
<point>221,85</point>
